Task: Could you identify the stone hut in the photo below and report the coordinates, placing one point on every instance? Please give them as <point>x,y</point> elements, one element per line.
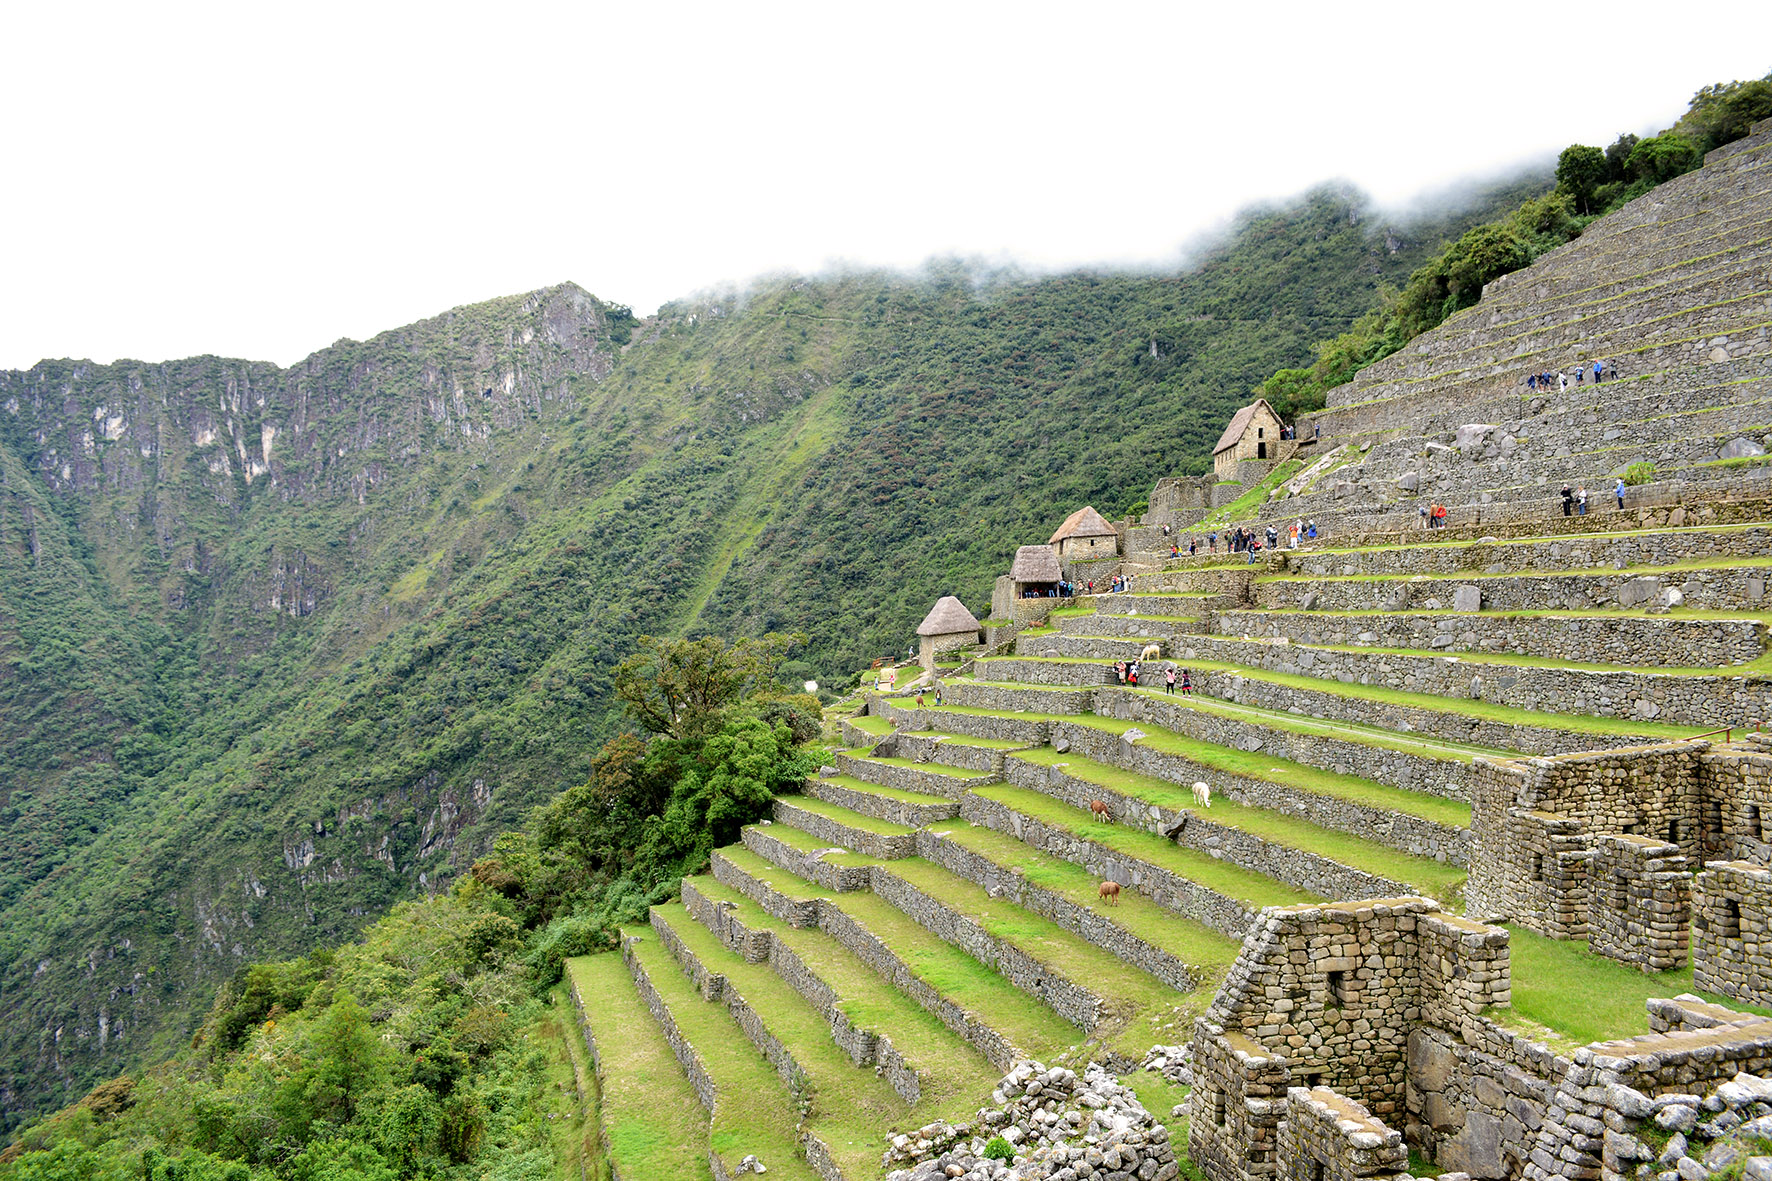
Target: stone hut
<point>1253,433</point>
<point>947,626</point>
<point>1084,535</point>
<point>1035,569</point>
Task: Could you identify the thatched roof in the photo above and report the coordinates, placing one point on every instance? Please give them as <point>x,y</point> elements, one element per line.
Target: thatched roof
<point>1085,522</point>
<point>1035,563</point>
<point>948,617</point>
<point>1240,423</point>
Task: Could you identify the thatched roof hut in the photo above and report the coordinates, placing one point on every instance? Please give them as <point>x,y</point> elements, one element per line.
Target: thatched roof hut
<point>948,617</point>
<point>1035,563</point>
<point>1085,522</point>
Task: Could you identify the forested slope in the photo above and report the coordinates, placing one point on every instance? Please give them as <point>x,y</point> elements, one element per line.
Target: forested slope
<point>281,647</point>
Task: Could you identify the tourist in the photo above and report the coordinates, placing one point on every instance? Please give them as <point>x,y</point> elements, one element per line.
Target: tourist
<point>1120,671</point>
<point>1579,370</point>
<point>1165,531</point>
<point>1175,550</point>
<point>1273,537</point>
<point>1439,516</point>
<point>1212,542</point>
<point>938,695</point>
<point>1311,530</point>
<point>1581,500</point>
<point>1092,586</point>
<point>1193,546</point>
<point>1169,679</point>
<point>1568,500</point>
<point>1187,683</point>
<point>1132,675</point>
<point>1599,372</point>
<point>1427,522</point>
<point>1618,488</point>
<point>1562,382</point>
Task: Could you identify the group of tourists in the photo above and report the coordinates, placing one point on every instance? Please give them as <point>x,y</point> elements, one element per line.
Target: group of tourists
<point>1433,516</point>
<point>1560,379</point>
<point>1128,672</point>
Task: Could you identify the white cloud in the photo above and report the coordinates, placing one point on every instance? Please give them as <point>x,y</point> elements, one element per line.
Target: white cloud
<point>254,181</point>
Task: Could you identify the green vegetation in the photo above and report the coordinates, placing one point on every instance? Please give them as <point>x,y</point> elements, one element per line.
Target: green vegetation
<point>1639,473</point>
<point>1250,503</point>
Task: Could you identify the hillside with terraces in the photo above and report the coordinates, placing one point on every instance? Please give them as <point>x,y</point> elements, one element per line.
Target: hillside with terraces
<point>1479,798</point>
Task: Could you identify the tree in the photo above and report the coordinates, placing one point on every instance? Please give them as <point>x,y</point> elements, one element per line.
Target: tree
<point>683,688</point>
<point>1481,255</point>
<point>1618,157</point>
<point>1580,170</point>
<point>1663,157</point>
<point>1726,112</point>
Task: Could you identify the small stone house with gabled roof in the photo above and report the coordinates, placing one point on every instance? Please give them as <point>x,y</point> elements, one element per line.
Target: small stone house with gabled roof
<point>1085,534</point>
<point>947,626</point>
<point>1035,568</point>
<point>1253,433</point>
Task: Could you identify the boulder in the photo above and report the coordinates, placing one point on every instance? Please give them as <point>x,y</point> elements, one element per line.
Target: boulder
<point>1409,481</point>
<point>1638,591</point>
<point>1739,448</point>
<point>1470,433</point>
<point>1467,598</point>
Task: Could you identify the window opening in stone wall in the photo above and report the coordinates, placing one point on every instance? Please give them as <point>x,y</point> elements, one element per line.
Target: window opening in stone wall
<point>1631,830</point>
<point>1317,1172</point>
<point>1314,1079</point>
<point>1729,919</point>
<point>1538,867</point>
<point>1713,817</point>
<point>1338,994</point>
<point>1673,831</point>
<point>1218,1109</point>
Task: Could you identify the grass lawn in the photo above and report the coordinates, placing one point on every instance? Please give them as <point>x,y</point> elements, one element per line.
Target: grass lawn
<point>1254,890</point>
<point>1035,1030</point>
<point>658,1130</point>
<point>872,725</point>
<point>873,789</point>
<point>574,1127</point>
<point>932,768</point>
<point>1442,882</point>
<point>851,1105</point>
<point>1762,665</point>
<point>1269,768</point>
<point>1563,986</point>
<point>968,740</point>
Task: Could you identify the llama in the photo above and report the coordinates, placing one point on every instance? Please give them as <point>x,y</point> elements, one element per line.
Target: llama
<point>1110,893</point>
<point>1151,652</point>
<point>1100,811</point>
<point>1202,794</point>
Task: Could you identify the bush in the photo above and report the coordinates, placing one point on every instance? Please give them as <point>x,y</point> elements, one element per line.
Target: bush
<point>999,1149</point>
<point>1641,472</point>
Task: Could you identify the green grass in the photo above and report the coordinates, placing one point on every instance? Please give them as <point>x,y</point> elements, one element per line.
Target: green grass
<point>575,1116</point>
<point>639,1071</point>
<point>872,725</point>
<point>1761,665</point>
<point>955,1078</point>
<point>1033,1029</point>
<point>1441,881</point>
<point>851,1105</point>
<point>932,768</point>
<point>848,817</point>
<point>982,743</point>
<point>1252,889</point>
<point>872,789</point>
<point>1584,997</point>
<point>1245,506</point>
<point>1160,1096</point>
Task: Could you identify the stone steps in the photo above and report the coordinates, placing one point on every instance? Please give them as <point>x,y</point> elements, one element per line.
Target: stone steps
<point>1025,933</point>
<point>882,803</point>
<point>1432,827</point>
<point>846,1103</point>
<point>980,1006</point>
<point>750,1107</point>
<point>1328,862</point>
<point>637,1077</point>
<point>1192,884</point>
<point>930,779</point>
<point>837,825</point>
<point>869,1018</point>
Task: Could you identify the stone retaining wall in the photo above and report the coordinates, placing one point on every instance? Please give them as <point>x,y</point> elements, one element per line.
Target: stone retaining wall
<point>1142,629</point>
<point>796,912</point>
<point>1048,673</point>
<point>854,736</point>
<point>1441,777</point>
<point>1070,1000</point>
<point>1031,731</point>
<point>1079,920</point>
<point>911,779</point>
<point>936,748</point>
<point>1105,648</point>
<point>1190,899</point>
<point>863,1046</point>
<point>882,807</point>
<point>681,1048</point>
<point>1009,698</point>
<point>885,846</point>
<point>841,878</point>
<point>1741,589</point>
<point>1641,641</point>
<point>1473,1110</point>
<point>1190,829</point>
<point>1627,695</point>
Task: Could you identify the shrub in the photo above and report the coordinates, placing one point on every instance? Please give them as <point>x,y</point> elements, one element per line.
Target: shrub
<point>1641,472</point>
<point>999,1149</point>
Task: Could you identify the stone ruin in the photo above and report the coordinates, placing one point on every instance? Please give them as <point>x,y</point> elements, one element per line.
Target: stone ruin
<point>1348,1033</point>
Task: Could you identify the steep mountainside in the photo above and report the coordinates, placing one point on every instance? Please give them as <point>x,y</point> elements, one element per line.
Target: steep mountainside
<point>279,647</point>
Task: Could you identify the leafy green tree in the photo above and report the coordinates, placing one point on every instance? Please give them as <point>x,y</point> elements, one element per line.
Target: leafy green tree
<point>1663,157</point>
<point>1580,170</point>
<point>683,688</point>
<point>347,1062</point>
<point>1481,255</point>
<point>1618,156</point>
<point>1726,112</point>
<point>339,1160</point>
<point>408,1126</point>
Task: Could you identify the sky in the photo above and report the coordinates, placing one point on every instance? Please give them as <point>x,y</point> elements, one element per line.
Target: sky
<point>260,180</point>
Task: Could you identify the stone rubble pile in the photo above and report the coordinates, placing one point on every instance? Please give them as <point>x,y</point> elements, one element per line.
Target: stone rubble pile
<point>1174,1063</point>
<point>1730,1129</point>
<point>1062,1128</point>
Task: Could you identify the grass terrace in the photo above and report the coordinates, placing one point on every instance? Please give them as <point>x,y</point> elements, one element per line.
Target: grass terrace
<point>657,1129</point>
<point>842,815</point>
<point>754,1112</point>
<point>1442,881</point>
